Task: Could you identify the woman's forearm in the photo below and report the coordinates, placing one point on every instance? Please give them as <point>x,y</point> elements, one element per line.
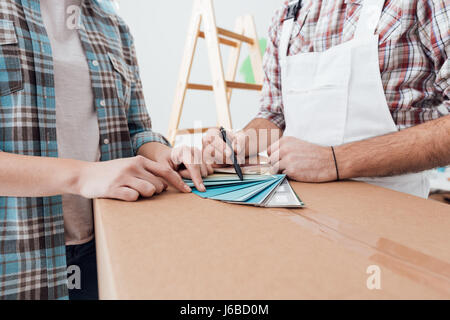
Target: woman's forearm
<point>416,149</point>
<point>26,176</point>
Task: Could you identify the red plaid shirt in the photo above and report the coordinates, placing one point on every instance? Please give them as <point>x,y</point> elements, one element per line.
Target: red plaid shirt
<point>413,48</point>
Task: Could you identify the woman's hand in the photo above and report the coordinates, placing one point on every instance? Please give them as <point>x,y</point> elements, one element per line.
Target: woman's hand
<point>186,161</point>
<point>127,179</point>
<point>189,162</point>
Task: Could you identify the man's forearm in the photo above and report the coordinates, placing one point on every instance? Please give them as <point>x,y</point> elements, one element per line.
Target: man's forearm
<point>413,150</point>
<point>261,134</point>
<point>26,176</point>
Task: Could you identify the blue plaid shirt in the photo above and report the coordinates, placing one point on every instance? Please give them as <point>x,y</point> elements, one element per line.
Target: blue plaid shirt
<point>32,248</point>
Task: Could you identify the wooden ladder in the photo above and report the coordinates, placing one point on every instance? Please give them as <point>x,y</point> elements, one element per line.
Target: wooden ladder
<point>223,84</point>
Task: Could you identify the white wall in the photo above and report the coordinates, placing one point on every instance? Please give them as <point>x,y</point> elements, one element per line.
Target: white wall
<point>160,29</point>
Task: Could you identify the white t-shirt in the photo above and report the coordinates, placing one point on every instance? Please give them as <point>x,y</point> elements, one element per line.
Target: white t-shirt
<point>76,118</point>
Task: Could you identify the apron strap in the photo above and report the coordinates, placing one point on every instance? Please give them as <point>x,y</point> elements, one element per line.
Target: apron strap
<point>369,18</point>
<point>288,26</point>
<point>286,33</point>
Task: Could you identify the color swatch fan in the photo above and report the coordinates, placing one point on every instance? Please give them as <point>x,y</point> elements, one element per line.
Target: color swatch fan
<point>270,191</point>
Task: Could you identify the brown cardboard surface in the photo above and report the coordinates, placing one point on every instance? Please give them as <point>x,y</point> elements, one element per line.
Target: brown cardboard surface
<point>179,246</point>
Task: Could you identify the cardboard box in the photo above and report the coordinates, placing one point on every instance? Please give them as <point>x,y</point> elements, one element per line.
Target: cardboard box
<point>179,246</point>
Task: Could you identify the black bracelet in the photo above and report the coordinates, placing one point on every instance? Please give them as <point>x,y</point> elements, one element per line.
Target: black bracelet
<point>336,165</point>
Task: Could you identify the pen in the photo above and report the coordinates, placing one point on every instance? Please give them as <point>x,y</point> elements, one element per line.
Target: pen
<point>233,154</point>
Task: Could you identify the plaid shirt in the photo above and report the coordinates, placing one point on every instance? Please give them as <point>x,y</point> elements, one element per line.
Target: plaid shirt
<point>414,44</point>
<point>32,248</point>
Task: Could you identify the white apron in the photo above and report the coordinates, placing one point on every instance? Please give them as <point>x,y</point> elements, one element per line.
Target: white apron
<point>336,97</point>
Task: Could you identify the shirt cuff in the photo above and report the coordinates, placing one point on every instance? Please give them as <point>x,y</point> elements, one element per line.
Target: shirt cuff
<point>276,118</point>
<point>139,139</point>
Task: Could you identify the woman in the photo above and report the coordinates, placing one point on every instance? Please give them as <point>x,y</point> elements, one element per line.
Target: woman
<point>73,122</point>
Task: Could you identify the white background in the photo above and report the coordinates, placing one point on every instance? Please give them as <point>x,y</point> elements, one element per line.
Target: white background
<point>160,30</point>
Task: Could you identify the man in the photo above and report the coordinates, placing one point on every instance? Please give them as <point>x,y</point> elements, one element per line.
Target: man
<point>342,77</point>
<point>70,96</point>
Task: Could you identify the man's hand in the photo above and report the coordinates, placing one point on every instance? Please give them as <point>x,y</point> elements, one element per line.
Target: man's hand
<point>217,152</point>
<point>127,179</point>
<point>248,143</point>
<point>302,161</point>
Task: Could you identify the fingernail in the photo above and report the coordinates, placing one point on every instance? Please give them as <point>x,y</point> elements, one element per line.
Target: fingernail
<point>202,188</point>
<point>187,188</point>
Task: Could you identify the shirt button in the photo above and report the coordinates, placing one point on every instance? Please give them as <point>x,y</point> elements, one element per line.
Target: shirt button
<point>95,63</point>
<point>102,103</point>
<point>106,141</point>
